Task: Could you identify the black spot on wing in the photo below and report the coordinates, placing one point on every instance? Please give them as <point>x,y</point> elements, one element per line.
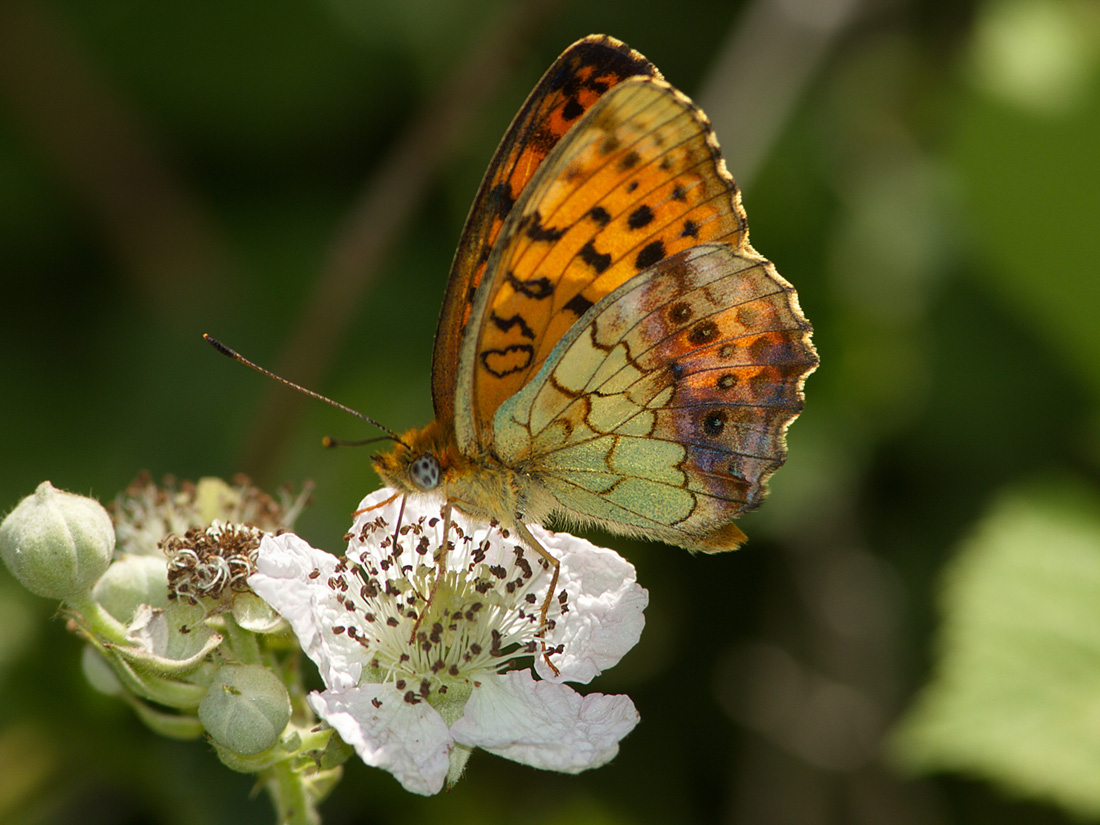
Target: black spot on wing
<point>506,324</point>
<point>537,232</point>
<point>680,313</point>
<point>714,422</point>
<point>501,200</point>
<point>572,109</point>
<point>599,261</point>
<point>600,215</point>
<point>578,305</point>
<point>538,288</point>
<point>649,255</point>
<point>640,217</point>
<point>703,333</point>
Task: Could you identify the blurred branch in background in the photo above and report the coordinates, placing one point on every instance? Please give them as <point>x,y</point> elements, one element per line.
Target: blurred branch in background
<point>376,221</point>
<point>763,71</point>
<point>106,155</point>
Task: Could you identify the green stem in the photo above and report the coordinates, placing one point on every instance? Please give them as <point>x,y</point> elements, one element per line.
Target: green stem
<point>98,621</point>
<point>245,645</point>
<point>314,739</point>
<point>290,796</point>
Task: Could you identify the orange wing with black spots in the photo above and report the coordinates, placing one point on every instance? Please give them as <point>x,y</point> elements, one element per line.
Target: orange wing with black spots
<point>638,178</point>
<point>583,73</point>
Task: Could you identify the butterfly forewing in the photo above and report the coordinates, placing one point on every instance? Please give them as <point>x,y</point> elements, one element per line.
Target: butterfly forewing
<point>637,179</point>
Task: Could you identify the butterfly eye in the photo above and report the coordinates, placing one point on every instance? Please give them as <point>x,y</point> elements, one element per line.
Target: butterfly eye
<point>424,472</point>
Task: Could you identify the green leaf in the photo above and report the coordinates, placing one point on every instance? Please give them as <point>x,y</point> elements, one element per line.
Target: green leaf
<point>1015,697</point>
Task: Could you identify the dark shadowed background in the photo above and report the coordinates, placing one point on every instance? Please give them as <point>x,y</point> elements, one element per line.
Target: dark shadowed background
<point>292,177</point>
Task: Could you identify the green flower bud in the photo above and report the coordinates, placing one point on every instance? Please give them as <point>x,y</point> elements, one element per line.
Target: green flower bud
<point>99,673</point>
<point>246,709</point>
<point>131,582</point>
<point>56,543</point>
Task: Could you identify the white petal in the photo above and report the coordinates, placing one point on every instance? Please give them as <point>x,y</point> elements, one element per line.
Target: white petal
<point>606,604</point>
<point>409,741</point>
<point>544,724</point>
<point>285,564</point>
<point>605,616</point>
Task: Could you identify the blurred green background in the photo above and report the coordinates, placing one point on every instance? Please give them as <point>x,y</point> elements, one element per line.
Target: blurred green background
<point>292,177</point>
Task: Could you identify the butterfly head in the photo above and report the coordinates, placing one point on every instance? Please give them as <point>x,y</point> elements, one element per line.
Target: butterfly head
<point>419,461</point>
<point>424,471</point>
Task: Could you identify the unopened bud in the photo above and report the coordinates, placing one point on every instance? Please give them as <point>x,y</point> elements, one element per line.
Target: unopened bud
<point>56,543</point>
<point>131,582</point>
<point>246,709</point>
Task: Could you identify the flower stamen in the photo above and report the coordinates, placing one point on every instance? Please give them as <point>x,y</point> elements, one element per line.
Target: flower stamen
<point>207,563</point>
<point>439,618</point>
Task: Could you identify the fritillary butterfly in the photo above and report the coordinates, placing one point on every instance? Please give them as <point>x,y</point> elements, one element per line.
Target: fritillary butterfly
<point>611,348</point>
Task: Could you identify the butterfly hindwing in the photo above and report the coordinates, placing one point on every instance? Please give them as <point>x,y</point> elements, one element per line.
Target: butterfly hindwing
<point>663,411</point>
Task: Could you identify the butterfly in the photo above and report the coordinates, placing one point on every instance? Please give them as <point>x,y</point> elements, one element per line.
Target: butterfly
<point>611,349</point>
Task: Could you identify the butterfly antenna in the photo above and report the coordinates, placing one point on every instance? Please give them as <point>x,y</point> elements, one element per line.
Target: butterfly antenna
<point>329,441</point>
<point>236,356</point>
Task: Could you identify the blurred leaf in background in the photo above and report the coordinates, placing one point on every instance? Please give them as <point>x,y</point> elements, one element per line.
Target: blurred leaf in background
<point>1024,147</point>
<point>1014,695</point>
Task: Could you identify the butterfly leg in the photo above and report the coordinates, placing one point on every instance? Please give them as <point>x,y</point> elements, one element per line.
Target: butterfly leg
<point>555,568</point>
<point>400,513</point>
<point>356,513</point>
<point>400,516</point>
